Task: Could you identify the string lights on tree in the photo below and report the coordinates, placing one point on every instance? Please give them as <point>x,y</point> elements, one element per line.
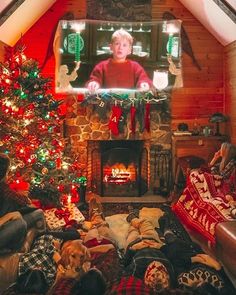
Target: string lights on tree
<point>30,132</point>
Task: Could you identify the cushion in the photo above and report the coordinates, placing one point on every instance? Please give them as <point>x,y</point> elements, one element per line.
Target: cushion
<point>8,269</point>
<point>200,275</point>
<point>120,226</point>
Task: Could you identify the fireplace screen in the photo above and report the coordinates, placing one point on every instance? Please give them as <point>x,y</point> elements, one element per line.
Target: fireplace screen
<point>123,168</point>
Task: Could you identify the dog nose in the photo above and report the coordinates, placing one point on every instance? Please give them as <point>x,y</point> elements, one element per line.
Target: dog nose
<point>77,269</point>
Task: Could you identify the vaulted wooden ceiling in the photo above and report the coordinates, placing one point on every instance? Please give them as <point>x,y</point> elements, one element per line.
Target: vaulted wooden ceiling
<point>17,16</point>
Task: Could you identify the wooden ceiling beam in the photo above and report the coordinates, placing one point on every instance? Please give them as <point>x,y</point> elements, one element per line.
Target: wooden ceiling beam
<point>227,8</point>
<point>11,8</point>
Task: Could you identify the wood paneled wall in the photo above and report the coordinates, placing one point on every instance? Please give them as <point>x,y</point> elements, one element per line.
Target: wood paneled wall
<point>230,88</point>
<point>203,91</point>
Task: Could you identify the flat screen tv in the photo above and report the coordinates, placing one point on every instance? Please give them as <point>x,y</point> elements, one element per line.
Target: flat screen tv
<point>79,45</point>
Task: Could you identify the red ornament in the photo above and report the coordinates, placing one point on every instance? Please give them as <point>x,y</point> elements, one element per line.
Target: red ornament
<point>74,190</point>
<point>6,137</point>
<point>17,85</point>
<point>21,111</point>
<point>62,110</point>
<point>61,188</point>
<point>58,163</point>
<point>80,97</point>
<point>16,73</point>
<point>42,127</point>
<point>19,185</point>
<point>13,65</point>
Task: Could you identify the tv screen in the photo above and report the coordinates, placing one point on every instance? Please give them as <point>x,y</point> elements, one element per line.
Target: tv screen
<point>117,56</point>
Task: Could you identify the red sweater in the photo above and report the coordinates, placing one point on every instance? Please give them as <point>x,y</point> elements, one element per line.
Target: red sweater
<point>110,74</point>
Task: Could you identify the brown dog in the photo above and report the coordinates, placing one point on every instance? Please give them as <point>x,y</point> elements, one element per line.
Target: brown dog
<point>74,254</point>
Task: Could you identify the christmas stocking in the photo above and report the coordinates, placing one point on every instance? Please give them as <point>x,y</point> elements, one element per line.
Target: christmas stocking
<point>147,117</point>
<point>101,109</point>
<point>114,120</point>
<point>123,121</point>
<point>140,116</point>
<point>132,118</point>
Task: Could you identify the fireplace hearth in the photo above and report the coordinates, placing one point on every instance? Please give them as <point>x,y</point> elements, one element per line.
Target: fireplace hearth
<point>119,167</point>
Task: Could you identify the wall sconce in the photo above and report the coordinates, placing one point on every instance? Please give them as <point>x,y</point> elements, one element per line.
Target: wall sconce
<point>172,28</point>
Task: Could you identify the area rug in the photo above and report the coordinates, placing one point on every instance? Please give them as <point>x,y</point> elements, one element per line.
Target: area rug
<point>122,208</point>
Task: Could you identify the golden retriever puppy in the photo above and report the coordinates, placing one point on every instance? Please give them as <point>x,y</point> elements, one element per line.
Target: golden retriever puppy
<point>74,255</point>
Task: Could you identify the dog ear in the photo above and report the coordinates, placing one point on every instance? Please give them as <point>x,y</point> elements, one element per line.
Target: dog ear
<point>65,255</point>
<point>87,255</point>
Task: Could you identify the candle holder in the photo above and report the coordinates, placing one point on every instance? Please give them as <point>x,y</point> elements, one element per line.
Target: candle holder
<point>82,205</point>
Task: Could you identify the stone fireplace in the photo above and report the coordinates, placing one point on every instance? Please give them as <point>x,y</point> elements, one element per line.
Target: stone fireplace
<point>119,167</point>
<point>122,165</point>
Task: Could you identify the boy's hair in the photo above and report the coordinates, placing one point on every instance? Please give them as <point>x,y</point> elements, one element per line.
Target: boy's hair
<point>90,283</point>
<point>228,152</point>
<point>32,281</point>
<point>122,34</point>
<point>4,165</point>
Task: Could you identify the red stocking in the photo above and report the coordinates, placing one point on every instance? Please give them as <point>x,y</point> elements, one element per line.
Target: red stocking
<point>132,118</point>
<point>114,120</point>
<point>147,116</point>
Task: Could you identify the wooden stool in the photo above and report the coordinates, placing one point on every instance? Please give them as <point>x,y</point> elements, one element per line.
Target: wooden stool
<point>183,166</point>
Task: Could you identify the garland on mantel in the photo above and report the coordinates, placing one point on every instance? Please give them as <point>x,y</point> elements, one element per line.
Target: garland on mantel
<point>131,97</point>
<point>119,106</point>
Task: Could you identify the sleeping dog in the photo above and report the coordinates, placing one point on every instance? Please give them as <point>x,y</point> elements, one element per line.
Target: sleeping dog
<point>74,254</point>
<point>73,260</point>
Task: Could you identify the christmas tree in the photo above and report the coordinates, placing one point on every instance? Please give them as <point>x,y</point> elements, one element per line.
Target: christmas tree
<point>30,132</point>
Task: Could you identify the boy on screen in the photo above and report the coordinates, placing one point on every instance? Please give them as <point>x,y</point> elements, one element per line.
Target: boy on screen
<point>118,71</point>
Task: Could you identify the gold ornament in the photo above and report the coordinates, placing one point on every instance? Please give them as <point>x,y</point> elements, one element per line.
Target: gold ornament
<point>25,132</point>
<point>45,170</point>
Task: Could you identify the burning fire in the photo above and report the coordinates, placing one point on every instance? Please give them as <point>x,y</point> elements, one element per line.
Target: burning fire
<point>119,173</point>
